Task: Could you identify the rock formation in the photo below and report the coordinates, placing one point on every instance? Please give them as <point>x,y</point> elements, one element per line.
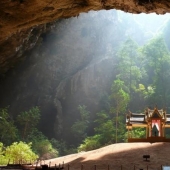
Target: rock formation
<point>58,74</point>
<point>18,18</point>
<point>15,15</point>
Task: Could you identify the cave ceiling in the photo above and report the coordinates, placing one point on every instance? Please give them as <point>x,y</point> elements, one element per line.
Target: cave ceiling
<point>19,19</point>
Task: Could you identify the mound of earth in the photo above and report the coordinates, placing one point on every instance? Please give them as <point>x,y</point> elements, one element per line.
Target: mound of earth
<point>125,156</point>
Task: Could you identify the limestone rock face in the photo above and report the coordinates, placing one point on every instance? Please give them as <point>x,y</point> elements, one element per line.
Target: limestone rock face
<point>66,68</point>
<point>86,87</point>
<point>20,18</point>
<point>13,48</point>
<point>18,14</point>
<point>57,86</point>
<point>15,15</point>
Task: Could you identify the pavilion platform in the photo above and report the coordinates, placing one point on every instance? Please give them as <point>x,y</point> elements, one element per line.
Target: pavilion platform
<point>150,139</point>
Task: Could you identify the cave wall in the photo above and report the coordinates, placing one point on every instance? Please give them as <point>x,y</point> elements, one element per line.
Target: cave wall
<point>66,67</point>
<point>15,15</point>
<point>20,18</point>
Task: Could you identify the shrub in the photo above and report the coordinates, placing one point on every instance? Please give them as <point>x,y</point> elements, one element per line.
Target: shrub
<point>20,151</point>
<point>3,160</point>
<point>90,143</point>
<point>45,150</point>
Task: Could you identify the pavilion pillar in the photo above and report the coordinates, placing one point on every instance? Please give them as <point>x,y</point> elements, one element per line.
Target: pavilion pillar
<point>130,133</point>
<point>147,134</point>
<point>150,130</point>
<point>163,130</point>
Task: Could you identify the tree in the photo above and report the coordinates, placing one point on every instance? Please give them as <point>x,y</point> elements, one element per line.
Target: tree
<point>60,145</point>
<point>104,133</point>
<point>90,143</point>
<point>7,128</point>
<point>138,132</point>
<point>80,126</point>
<point>120,100</point>
<point>28,120</point>
<point>121,130</point>
<point>41,145</point>
<point>130,69</point>
<point>45,149</point>
<point>104,128</point>
<point>157,65</point>
<point>129,65</point>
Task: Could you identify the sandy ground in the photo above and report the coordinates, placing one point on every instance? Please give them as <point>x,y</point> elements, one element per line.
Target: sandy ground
<point>122,156</point>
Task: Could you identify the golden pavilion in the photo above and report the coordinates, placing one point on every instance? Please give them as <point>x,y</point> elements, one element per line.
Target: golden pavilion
<point>154,121</point>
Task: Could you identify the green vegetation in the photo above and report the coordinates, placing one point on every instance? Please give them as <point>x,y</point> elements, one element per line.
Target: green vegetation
<point>27,121</point>
<point>17,152</point>
<point>142,79</point>
<point>158,67</point>
<point>80,126</point>
<point>90,143</point>
<point>8,131</point>
<point>41,145</point>
<point>120,100</point>
<point>138,132</point>
<point>21,140</point>
<point>20,151</point>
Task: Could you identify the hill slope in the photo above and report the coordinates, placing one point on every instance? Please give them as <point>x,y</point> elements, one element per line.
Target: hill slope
<point>126,154</point>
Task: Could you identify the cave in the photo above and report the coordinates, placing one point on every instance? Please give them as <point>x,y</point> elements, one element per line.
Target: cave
<point>18,19</point>
<point>28,78</point>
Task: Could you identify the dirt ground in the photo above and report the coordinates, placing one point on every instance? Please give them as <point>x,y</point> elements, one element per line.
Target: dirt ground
<point>122,156</point>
